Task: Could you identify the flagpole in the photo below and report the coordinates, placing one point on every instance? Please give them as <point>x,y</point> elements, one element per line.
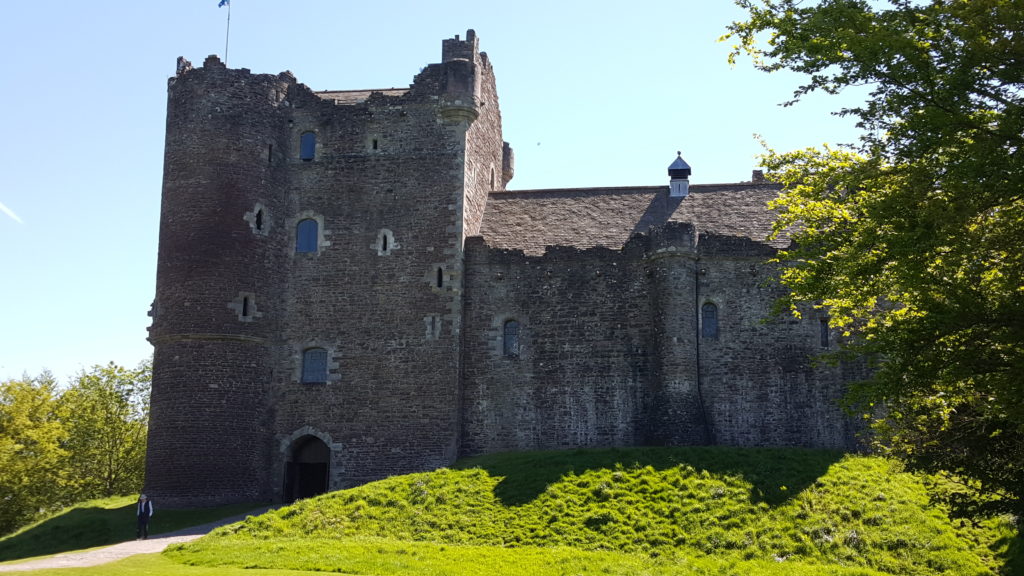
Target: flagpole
<point>227,35</point>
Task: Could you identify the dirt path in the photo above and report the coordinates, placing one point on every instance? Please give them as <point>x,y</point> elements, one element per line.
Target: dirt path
<point>98,556</point>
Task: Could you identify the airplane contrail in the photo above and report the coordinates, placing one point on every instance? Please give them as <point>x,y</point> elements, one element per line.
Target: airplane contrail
<point>10,213</point>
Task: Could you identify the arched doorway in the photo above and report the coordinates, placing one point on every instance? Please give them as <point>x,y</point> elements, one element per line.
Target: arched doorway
<point>308,469</point>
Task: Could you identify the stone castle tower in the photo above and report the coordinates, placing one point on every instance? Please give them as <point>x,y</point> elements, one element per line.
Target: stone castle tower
<point>345,290</point>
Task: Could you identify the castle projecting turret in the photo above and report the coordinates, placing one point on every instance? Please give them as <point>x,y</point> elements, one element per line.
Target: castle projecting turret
<point>219,284</point>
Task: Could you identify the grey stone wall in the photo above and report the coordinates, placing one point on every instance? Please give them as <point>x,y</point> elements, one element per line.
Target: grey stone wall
<point>585,342</point>
<point>763,381</point>
<point>613,354</point>
<point>677,414</point>
<point>484,146</point>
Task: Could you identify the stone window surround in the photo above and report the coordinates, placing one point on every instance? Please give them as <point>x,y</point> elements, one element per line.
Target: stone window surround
<point>700,319</point>
<point>316,145</point>
<point>374,143</point>
<point>314,366</point>
<point>433,324</point>
<point>510,349</point>
<point>447,278</point>
<point>322,232</point>
<point>496,335</point>
<point>304,241</point>
<point>250,217</point>
<point>333,366</point>
<point>238,306</point>
<point>379,244</point>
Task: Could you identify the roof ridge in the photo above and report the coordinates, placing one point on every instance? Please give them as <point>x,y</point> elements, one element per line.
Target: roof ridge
<point>361,90</point>
<point>639,189</point>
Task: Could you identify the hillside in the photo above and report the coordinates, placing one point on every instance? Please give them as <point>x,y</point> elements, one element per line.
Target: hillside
<point>100,523</point>
<point>623,511</point>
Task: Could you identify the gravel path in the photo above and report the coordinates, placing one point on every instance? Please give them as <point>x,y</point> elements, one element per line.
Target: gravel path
<point>98,556</point>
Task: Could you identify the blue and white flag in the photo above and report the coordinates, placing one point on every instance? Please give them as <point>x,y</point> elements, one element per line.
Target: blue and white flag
<point>224,3</point>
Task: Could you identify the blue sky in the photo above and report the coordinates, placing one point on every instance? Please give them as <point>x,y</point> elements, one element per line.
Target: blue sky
<point>592,94</point>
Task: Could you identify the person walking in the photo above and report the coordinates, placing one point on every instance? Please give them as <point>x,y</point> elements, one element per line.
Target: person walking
<point>143,512</point>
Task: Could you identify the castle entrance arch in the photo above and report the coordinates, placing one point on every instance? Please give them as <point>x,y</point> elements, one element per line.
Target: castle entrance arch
<point>308,468</point>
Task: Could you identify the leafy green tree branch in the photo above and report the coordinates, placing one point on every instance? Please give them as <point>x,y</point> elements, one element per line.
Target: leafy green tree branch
<point>914,237</point>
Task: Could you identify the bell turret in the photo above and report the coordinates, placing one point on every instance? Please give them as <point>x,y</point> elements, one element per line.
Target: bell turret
<point>679,172</point>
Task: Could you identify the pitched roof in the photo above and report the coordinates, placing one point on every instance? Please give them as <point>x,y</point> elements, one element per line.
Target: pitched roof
<point>357,96</point>
<point>588,217</point>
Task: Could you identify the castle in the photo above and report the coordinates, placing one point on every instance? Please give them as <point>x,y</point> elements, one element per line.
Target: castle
<point>346,290</point>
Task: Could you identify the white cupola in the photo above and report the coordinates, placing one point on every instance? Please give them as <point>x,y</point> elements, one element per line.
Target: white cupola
<point>679,172</point>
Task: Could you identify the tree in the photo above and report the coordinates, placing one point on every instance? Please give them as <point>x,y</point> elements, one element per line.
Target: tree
<point>913,239</point>
<point>31,456</point>
<point>106,414</point>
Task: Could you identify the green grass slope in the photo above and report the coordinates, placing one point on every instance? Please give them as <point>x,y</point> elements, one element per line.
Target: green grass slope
<point>622,511</point>
<point>98,523</point>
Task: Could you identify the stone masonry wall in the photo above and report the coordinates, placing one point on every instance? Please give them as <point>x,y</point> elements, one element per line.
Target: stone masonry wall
<point>677,415</point>
<point>612,351</point>
<point>208,445</point>
<point>762,385</point>
<point>389,318</point>
<point>219,288</point>
<point>579,376</point>
<point>483,150</point>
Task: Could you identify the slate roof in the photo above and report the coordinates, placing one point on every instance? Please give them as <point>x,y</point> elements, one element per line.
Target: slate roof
<point>587,217</point>
<point>357,96</point>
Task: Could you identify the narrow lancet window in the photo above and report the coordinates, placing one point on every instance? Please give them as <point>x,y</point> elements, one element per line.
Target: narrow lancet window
<point>307,146</point>
<point>824,333</point>
<point>440,277</point>
<point>307,234</point>
<point>510,339</point>
<point>709,321</point>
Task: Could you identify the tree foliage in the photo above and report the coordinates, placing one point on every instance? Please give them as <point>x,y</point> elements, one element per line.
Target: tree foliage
<point>58,447</point>
<point>31,452</point>
<point>105,413</point>
<point>913,239</point>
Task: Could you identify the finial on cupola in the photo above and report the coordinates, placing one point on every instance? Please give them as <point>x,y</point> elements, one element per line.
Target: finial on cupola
<point>679,172</point>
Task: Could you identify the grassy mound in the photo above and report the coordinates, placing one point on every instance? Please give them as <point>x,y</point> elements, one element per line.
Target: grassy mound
<point>660,511</point>
<point>98,523</point>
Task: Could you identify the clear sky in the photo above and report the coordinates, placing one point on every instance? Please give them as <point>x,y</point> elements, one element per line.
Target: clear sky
<point>592,94</point>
